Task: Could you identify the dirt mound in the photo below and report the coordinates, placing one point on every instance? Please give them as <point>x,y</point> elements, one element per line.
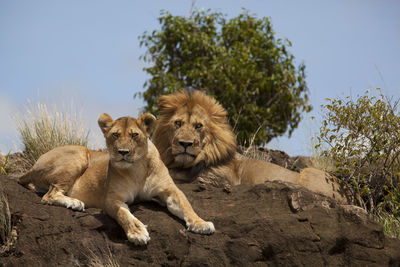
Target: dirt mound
<point>270,224</point>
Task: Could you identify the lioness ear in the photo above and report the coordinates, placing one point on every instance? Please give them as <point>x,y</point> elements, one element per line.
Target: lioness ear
<point>148,122</point>
<point>105,122</point>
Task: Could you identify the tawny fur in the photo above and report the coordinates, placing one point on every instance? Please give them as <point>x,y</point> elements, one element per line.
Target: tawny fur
<point>131,170</point>
<point>195,140</point>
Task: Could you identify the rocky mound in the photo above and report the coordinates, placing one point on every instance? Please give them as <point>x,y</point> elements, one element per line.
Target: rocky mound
<point>269,224</point>
<point>277,157</point>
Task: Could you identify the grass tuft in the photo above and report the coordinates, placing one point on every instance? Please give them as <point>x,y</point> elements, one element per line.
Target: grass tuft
<point>42,129</point>
<point>5,163</point>
<point>5,223</point>
<point>320,161</point>
<point>106,260</point>
<point>253,152</point>
<point>390,223</point>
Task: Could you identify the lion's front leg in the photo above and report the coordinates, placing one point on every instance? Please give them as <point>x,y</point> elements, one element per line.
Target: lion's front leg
<point>178,205</point>
<point>135,230</point>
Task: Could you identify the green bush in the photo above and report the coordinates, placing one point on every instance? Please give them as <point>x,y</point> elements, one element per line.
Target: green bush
<point>239,61</point>
<point>363,140</point>
<point>43,129</point>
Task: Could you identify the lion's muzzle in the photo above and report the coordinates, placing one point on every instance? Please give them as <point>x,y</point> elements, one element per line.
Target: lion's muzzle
<point>185,144</point>
<point>124,152</point>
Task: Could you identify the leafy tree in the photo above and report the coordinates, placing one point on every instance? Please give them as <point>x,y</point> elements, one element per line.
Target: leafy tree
<point>363,137</point>
<point>238,61</point>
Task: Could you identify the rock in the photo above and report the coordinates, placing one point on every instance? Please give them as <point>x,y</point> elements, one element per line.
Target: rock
<point>273,224</point>
<point>278,157</point>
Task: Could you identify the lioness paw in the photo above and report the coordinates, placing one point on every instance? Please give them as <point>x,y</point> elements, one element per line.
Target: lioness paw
<point>203,227</point>
<point>139,237</point>
<point>67,202</point>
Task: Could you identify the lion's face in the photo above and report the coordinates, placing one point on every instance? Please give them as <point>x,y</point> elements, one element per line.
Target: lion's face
<point>192,128</point>
<point>126,137</point>
<point>189,132</point>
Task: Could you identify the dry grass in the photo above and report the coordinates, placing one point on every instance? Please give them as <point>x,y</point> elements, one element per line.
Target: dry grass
<point>42,129</point>
<point>5,222</point>
<point>319,161</point>
<point>254,153</point>
<point>5,163</point>
<point>390,224</point>
<point>106,259</point>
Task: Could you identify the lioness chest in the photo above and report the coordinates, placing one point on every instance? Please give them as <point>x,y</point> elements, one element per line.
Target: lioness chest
<point>132,184</point>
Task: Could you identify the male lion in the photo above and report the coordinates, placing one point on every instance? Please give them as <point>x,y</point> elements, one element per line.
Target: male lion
<point>195,140</point>
<point>132,170</point>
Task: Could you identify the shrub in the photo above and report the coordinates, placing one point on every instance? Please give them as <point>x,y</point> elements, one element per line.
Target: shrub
<point>239,61</point>
<point>363,137</point>
<point>42,129</point>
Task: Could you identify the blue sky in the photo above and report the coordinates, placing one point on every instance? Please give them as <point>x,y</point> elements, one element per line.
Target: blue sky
<point>87,51</point>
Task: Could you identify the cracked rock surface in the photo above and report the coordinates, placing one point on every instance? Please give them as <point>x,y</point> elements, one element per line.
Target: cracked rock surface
<point>272,224</point>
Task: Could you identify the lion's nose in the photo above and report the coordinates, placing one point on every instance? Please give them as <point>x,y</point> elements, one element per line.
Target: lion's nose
<point>123,152</point>
<point>186,144</point>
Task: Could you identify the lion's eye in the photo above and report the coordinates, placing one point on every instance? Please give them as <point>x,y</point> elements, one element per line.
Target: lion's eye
<point>178,124</point>
<point>116,135</point>
<point>133,135</point>
<point>198,126</point>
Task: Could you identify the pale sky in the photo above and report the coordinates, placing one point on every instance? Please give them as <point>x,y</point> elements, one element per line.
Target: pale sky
<point>87,51</point>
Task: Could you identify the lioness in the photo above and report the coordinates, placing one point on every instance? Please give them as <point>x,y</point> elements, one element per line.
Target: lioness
<point>132,170</point>
<point>195,140</point>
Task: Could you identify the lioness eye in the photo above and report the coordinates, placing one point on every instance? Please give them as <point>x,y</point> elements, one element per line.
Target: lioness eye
<point>178,124</point>
<point>198,125</point>
<point>133,135</point>
<point>116,135</point>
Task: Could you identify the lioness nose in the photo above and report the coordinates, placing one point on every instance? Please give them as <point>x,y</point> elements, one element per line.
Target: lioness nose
<point>123,152</point>
<point>186,144</point>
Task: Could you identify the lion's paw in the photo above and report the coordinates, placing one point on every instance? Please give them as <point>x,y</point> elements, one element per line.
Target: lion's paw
<point>139,237</point>
<point>203,227</point>
<point>75,204</point>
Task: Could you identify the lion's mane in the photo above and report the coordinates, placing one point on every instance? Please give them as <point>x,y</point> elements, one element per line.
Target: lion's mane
<point>220,143</point>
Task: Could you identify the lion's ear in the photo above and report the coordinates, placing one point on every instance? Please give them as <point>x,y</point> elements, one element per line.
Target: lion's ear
<point>148,122</point>
<point>105,122</point>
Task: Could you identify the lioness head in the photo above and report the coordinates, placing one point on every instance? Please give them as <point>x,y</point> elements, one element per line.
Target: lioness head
<point>126,137</point>
<point>192,128</point>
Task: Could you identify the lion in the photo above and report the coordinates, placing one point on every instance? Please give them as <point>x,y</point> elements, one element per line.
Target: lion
<point>195,141</point>
<point>76,177</point>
